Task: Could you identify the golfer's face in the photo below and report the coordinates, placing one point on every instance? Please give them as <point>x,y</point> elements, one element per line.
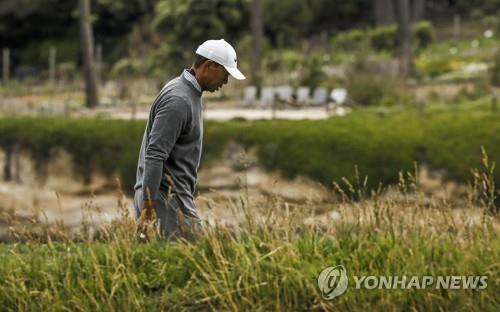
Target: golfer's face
<point>217,76</point>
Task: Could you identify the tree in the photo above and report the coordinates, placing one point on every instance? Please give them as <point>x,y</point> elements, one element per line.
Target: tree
<point>418,10</point>
<point>185,24</point>
<point>87,44</point>
<point>403,16</point>
<point>256,40</point>
<point>384,12</point>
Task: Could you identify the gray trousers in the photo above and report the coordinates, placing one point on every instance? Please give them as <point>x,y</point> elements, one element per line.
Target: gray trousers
<point>173,218</point>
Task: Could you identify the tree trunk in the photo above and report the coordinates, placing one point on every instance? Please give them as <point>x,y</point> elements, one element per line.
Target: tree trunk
<point>418,10</point>
<point>384,12</point>
<point>256,41</point>
<point>7,169</point>
<point>404,37</point>
<point>87,44</point>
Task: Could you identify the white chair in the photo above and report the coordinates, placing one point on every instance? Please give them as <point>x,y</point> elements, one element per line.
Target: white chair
<point>249,96</point>
<point>303,95</point>
<point>320,97</point>
<point>267,97</point>
<point>284,93</point>
<point>338,95</point>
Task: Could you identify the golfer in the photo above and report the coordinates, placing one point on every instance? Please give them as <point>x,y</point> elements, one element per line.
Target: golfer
<point>171,146</point>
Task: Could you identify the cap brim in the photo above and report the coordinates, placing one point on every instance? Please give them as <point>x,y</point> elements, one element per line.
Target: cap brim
<point>235,73</point>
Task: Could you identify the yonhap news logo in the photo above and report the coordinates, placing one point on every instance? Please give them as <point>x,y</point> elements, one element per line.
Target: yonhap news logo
<point>333,282</point>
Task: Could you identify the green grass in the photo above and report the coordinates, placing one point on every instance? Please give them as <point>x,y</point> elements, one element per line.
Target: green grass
<point>266,265</point>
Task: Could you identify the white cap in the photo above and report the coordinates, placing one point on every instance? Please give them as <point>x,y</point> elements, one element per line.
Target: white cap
<point>223,53</point>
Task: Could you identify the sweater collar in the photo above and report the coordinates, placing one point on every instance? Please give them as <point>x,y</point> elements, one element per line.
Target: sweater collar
<point>186,74</point>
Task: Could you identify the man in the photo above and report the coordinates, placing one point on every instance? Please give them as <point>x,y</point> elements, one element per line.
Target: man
<point>171,147</point>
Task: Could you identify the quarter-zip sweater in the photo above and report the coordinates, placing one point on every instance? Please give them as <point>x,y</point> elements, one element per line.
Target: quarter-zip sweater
<point>171,146</point>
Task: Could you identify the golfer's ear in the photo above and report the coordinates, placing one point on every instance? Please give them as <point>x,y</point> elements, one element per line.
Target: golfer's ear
<point>206,64</point>
<point>212,63</point>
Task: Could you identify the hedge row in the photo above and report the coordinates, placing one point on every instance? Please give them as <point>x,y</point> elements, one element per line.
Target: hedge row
<point>326,150</point>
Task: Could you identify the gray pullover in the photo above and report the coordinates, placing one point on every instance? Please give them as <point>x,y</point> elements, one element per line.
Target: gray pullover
<point>171,146</point>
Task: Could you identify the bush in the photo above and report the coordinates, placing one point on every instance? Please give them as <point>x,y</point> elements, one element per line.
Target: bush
<point>424,34</point>
<point>290,59</point>
<point>433,67</point>
<point>368,90</point>
<point>322,150</point>
<point>383,38</point>
<point>313,74</point>
<point>349,40</point>
<point>127,67</point>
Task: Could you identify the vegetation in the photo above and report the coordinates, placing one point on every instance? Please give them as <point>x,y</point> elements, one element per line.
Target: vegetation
<point>268,259</point>
<point>379,144</point>
<point>150,30</point>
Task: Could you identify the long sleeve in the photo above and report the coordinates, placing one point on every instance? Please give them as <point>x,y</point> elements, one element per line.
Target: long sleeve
<point>171,117</point>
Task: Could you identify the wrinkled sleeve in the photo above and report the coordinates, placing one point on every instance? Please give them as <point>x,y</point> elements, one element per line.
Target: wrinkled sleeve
<point>170,118</point>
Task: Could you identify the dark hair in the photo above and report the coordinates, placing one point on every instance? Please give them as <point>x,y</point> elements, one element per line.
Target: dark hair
<point>199,60</point>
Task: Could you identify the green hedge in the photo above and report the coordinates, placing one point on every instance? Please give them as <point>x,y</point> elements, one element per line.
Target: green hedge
<point>382,38</point>
<point>380,146</point>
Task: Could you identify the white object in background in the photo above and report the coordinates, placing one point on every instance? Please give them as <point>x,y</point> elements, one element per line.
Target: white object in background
<point>249,95</point>
<point>267,96</point>
<point>303,95</point>
<point>320,95</point>
<point>284,93</point>
<point>488,33</point>
<point>338,95</point>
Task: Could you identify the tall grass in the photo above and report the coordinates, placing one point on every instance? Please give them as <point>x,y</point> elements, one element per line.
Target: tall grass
<point>265,258</point>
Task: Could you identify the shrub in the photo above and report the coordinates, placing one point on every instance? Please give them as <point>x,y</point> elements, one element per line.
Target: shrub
<point>291,59</point>
<point>349,40</point>
<point>313,74</point>
<point>433,67</point>
<point>383,38</point>
<point>322,150</point>
<point>127,67</point>
<point>424,34</point>
<point>368,89</point>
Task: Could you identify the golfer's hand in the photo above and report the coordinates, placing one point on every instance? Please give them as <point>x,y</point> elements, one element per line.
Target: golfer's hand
<point>145,219</point>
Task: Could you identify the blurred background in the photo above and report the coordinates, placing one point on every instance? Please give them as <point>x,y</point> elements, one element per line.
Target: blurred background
<point>393,86</point>
<point>382,53</point>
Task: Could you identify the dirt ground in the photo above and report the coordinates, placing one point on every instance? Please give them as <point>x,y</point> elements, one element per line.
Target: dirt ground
<point>226,190</point>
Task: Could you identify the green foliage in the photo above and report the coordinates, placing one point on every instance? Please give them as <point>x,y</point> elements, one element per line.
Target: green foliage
<point>108,146</point>
<point>433,66</point>
<point>38,52</point>
<point>424,35</point>
<point>283,22</point>
<point>291,59</point>
<point>379,146</point>
<point>495,70</point>
<point>368,90</point>
<point>267,264</point>
<point>313,75</point>
<point>126,67</point>
<point>186,24</point>
<point>349,40</point>
<point>383,38</point>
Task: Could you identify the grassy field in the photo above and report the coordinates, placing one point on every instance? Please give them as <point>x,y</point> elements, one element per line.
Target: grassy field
<point>268,261</point>
<point>269,257</point>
